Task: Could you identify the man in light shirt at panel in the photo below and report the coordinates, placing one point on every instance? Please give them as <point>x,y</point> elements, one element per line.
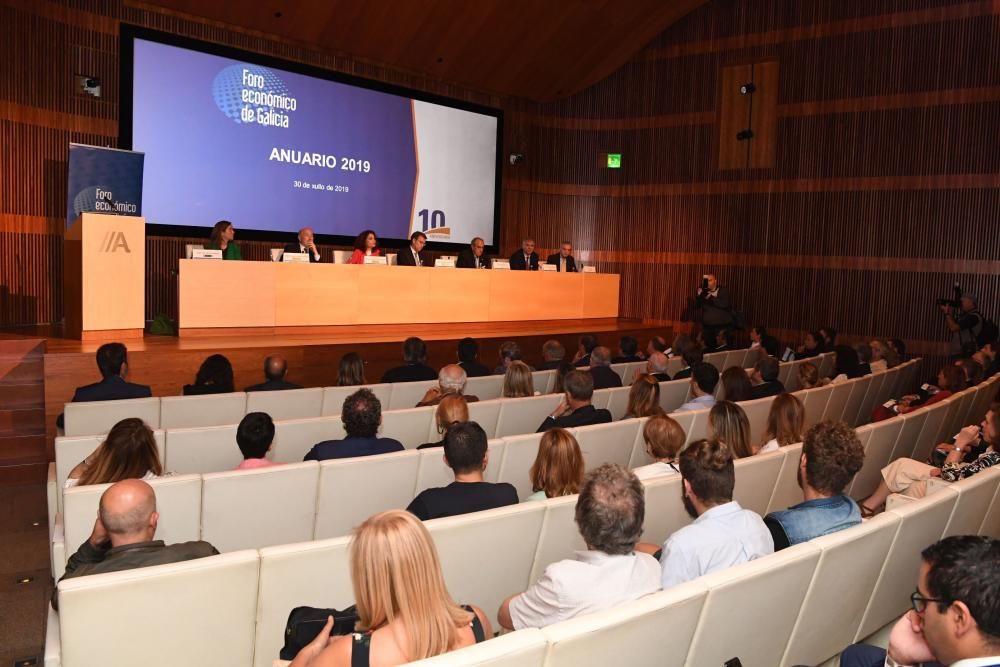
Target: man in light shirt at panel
<point>563,259</point>
<point>304,244</point>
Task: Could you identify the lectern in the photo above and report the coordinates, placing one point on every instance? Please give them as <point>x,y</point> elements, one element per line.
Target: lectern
<point>104,277</point>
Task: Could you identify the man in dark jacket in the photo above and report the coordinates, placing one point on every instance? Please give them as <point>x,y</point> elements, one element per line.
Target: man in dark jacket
<point>112,361</point>
<point>576,408</point>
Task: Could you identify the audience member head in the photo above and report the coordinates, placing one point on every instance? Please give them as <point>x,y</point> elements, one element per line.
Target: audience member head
<point>465,448</point>
<point>704,377</point>
<point>808,376</point>
<point>587,343</point>
<point>829,335</point>
<point>352,370</point>
<point>450,411</point>
<point>831,455</point>
<point>899,346</point>
<point>864,353</point>
<point>129,452</point>
<point>255,435</point>
<point>990,426</point>
<point>628,346</point>
<point>757,334</point>
<point>728,423</point>
<point>509,352</point>
<point>275,367</point>
<point>771,346</point>
<point>736,384</point>
<point>656,344</point>
<point>610,510</point>
<point>414,350</point>
<point>693,355</point>
<point>657,363</point>
<point>708,475</point>
<point>766,369</point>
<point>847,361</point>
<point>553,350</point>
<point>890,355</point>
<point>973,371</point>
<point>579,387</point>
<point>559,387</point>
<point>517,381</point>
<point>785,420</point>
<point>366,240</point>
<point>452,379</point>
<point>681,344</point>
<point>600,356</point>
<point>664,437</point>
<point>112,360</point>
<point>644,397</point>
<point>951,378</point>
<point>128,512</point>
<point>222,231</point>
<point>362,414</point>
<point>813,342</point>
<point>215,372</point>
<point>558,467</point>
<point>878,349</point>
<point>468,350</point>
<point>721,338</point>
<point>396,574</point>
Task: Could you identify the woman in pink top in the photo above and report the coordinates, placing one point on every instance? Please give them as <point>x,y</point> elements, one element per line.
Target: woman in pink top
<point>365,244</point>
<point>254,436</point>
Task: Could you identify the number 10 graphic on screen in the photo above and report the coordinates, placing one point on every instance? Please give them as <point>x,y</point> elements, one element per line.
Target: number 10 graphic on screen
<point>432,220</point>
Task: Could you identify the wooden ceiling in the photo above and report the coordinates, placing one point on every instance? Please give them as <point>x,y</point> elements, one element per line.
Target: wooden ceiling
<point>536,49</point>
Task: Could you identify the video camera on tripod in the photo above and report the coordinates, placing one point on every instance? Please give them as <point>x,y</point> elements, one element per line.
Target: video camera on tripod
<point>955,302</point>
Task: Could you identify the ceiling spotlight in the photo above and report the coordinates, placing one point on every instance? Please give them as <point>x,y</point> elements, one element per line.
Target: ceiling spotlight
<point>743,135</point>
<point>747,88</point>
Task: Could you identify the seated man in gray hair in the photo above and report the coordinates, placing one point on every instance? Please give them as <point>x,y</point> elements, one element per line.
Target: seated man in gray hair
<point>604,377</point>
<point>451,380</point>
<point>656,366</point>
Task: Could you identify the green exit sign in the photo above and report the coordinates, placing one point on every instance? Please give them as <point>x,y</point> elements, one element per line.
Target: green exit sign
<point>614,160</point>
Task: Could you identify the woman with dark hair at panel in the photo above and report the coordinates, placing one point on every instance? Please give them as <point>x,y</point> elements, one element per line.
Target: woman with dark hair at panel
<point>215,376</point>
<point>736,385</point>
<point>811,346</point>
<point>728,423</point>
<point>664,438</point>
<point>129,452</point>
<point>222,239</point>
<point>785,423</point>
<point>643,397</point>
<point>351,372</point>
<point>366,244</point>
<point>558,467</point>
<point>450,411</point>
<point>405,612</point>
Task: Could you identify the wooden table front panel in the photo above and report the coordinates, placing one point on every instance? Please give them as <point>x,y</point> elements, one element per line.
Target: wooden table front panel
<point>214,293</point>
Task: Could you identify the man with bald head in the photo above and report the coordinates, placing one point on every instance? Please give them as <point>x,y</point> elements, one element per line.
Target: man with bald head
<point>275,369</point>
<point>656,366</point>
<point>451,380</point>
<point>123,533</point>
<point>305,244</point>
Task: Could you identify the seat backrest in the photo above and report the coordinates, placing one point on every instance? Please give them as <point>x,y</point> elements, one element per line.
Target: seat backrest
<point>485,577</point>
<point>543,381</point>
<point>639,456</point>
<point>891,383</point>
<point>203,610</point>
<point>674,394</point>
<point>210,410</point>
<point>411,426</point>
<point>351,490</point>
<point>947,429</point>
<point>295,437</point>
<point>991,521</point>
<point>408,394</point>
<point>519,416</point>
<point>601,398</point>
<point>975,494</point>
<point>665,513</point>
<point>961,413</point>
<point>922,523</point>
<point>288,404</point>
<point>836,406</point>
<point>674,365</point>
<point>199,450</point>
<point>781,579</point>
<point>756,477</point>
<point>757,411</point>
<point>928,438</point>
<point>484,413</point>
<point>559,537</point>
<point>878,439</point>
<point>486,387</point>
<point>621,370</point>
<point>815,401</point>
<point>873,397</point>
<point>178,502</point>
<point>97,417</point>
<point>70,451</point>
<point>606,443</point>
<point>736,358</point>
<point>909,433</point>
<point>652,631</point>
<point>333,397</point>
<point>618,402</point>
<point>317,574</point>
<point>859,389</point>
<point>826,364</point>
<point>717,359</point>
<point>698,427</point>
<point>432,471</point>
<point>787,491</point>
<point>788,375</point>
<point>525,648</point>
<point>987,394</point>
<point>520,452</point>
<point>831,613</point>
<point>250,509</point>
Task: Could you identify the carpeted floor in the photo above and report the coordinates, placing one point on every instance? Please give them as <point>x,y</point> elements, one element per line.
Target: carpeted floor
<point>24,553</point>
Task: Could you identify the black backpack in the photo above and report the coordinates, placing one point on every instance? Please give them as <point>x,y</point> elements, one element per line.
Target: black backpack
<point>304,623</point>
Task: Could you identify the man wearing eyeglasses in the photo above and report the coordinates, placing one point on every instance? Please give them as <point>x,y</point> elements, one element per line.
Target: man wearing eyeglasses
<point>954,616</point>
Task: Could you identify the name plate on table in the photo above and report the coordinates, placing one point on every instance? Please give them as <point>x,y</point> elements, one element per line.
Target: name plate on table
<point>549,267</point>
<point>373,259</point>
<point>205,253</point>
<point>300,257</point>
<point>502,264</point>
<point>590,269</point>
<point>445,262</point>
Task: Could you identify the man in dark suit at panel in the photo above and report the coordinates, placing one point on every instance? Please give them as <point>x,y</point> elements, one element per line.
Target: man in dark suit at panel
<point>305,244</point>
<point>576,408</point>
<point>275,369</point>
<point>413,254</point>
<point>112,361</point>
<point>525,259</point>
<point>473,257</point>
<point>564,258</point>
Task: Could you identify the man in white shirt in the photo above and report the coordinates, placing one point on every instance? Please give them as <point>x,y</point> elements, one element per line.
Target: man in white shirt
<point>413,254</point>
<point>704,377</point>
<point>609,513</point>
<point>305,244</point>
<point>723,534</point>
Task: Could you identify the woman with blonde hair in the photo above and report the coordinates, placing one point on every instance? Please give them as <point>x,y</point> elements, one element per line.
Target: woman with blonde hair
<point>809,376</point>
<point>664,439</point>
<point>558,467</point>
<point>129,452</point>
<point>644,397</point>
<point>450,411</point>
<point>405,612</point>
<point>351,372</point>
<point>785,423</point>
<point>517,382</point>
<point>728,423</point>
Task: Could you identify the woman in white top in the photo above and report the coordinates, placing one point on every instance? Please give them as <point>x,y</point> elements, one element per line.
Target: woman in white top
<point>664,438</point>
<point>785,422</point>
<point>129,452</point>
<point>558,467</point>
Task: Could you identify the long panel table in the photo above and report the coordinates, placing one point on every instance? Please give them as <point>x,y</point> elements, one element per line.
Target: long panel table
<point>217,294</point>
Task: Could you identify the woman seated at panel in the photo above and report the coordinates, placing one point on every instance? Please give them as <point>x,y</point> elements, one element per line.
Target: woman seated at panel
<point>222,239</point>
<point>785,423</point>
<point>404,610</point>
<point>365,245</point>
<point>517,381</point>
<point>728,423</point>
<point>215,376</point>
<point>643,397</point>
<point>129,452</point>
<point>450,411</point>
<point>351,372</point>
<point>664,438</point>
<point>909,477</point>
<point>558,467</point>
<point>736,385</point>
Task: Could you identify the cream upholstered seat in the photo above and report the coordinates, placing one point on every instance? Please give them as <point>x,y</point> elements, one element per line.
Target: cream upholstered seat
<point>975,495</point>
<point>618,402</point>
<point>524,648</point>
<point>559,536</point>
<point>411,426</point>
<point>674,394</point>
<point>333,397</point>
<point>929,434</point>
<point>520,453</point>
<point>97,417</point>
<point>200,450</point>
<point>432,471</point>
<point>878,439</point>
<point>787,491</point>
<point>756,477</point>
<point>665,513</point>
<point>815,401</point>
<point>408,394</point>
<point>909,433</point>
<point>294,438</point>
<point>210,410</point>
<point>602,397</point>
<point>606,443</point>
<point>873,397</point>
<point>837,404</point>
<point>288,404</point>
<point>756,412</point>
<point>485,388</point>
<point>524,415</point>
<point>543,381</point>
<point>859,389</point>
<point>484,413</point>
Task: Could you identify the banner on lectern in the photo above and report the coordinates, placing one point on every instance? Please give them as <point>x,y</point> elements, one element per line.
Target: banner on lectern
<point>103,180</point>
